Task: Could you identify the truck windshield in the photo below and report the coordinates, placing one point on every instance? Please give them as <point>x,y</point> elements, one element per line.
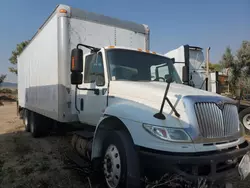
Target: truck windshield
<point>139,66</point>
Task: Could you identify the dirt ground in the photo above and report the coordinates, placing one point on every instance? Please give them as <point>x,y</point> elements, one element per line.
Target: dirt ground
<point>26,162</point>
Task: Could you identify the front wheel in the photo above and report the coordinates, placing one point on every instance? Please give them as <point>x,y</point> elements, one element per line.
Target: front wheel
<point>245,118</point>
<point>120,161</point>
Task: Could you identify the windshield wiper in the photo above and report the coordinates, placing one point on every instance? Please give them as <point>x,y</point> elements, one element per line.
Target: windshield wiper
<point>160,115</point>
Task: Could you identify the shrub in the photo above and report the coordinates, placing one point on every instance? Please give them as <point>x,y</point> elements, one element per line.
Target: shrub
<point>6,91</point>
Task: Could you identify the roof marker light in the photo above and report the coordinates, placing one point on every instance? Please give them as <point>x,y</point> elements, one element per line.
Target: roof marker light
<point>63,11</point>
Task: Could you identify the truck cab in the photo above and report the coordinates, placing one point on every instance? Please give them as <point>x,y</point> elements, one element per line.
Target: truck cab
<point>122,91</point>
<point>114,66</point>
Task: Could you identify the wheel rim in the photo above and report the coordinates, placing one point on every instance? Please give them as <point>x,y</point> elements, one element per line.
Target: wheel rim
<point>246,121</point>
<point>112,166</point>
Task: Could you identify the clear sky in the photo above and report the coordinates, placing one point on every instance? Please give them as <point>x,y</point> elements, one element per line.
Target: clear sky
<point>214,23</point>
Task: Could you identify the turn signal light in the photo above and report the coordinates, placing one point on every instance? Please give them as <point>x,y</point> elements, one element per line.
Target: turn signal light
<point>73,63</point>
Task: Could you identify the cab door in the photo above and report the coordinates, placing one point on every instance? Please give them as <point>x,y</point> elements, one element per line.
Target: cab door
<point>93,103</point>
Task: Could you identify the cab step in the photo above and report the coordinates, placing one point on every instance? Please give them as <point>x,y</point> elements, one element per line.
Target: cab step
<point>79,161</point>
<point>88,135</point>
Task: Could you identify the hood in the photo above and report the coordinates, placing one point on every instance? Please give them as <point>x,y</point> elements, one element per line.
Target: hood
<point>140,101</point>
<point>153,91</point>
<point>148,97</point>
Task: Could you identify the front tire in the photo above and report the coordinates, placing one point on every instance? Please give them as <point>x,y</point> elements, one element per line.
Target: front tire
<point>245,118</point>
<point>120,161</point>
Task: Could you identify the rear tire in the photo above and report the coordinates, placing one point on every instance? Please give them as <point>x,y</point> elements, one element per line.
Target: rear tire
<point>26,120</point>
<point>244,116</point>
<point>37,126</point>
<point>120,161</point>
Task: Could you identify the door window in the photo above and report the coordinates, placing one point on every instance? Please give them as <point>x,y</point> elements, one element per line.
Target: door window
<point>94,70</point>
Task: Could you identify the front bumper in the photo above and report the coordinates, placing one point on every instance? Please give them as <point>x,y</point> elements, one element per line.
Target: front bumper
<point>216,165</point>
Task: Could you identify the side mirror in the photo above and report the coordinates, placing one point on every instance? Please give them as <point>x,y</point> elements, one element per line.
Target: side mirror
<point>185,78</point>
<point>76,66</point>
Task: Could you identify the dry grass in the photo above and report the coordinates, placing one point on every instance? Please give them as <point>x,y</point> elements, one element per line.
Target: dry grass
<point>26,162</point>
<point>7,97</point>
<point>29,164</point>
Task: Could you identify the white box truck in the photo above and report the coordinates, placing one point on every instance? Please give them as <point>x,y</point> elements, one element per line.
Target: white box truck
<point>141,115</point>
<point>193,58</point>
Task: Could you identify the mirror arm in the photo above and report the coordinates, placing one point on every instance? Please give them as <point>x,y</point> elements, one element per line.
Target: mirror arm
<point>96,91</point>
<point>92,49</point>
<point>76,100</point>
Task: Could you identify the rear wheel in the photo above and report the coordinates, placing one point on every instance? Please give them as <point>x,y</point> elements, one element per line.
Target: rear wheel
<point>245,118</point>
<point>38,127</point>
<point>120,161</point>
<point>26,120</point>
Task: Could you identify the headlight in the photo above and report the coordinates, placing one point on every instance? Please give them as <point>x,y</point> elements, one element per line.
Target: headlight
<point>170,134</point>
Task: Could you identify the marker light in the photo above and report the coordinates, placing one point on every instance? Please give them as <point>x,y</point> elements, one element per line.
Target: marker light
<point>63,11</point>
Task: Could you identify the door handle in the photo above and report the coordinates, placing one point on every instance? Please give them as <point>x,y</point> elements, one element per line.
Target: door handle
<point>96,91</point>
<point>81,104</point>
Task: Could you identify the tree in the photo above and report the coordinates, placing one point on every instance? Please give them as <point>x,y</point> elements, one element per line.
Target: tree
<point>243,58</point>
<point>213,67</point>
<point>243,61</point>
<point>227,58</point>
<point>239,66</point>
<point>2,78</point>
<point>228,61</point>
<point>15,53</point>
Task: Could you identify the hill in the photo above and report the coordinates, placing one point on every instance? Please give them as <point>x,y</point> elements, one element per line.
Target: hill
<point>8,85</point>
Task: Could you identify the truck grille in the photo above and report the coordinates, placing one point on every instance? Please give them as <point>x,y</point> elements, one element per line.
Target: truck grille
<point>214,122</point>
